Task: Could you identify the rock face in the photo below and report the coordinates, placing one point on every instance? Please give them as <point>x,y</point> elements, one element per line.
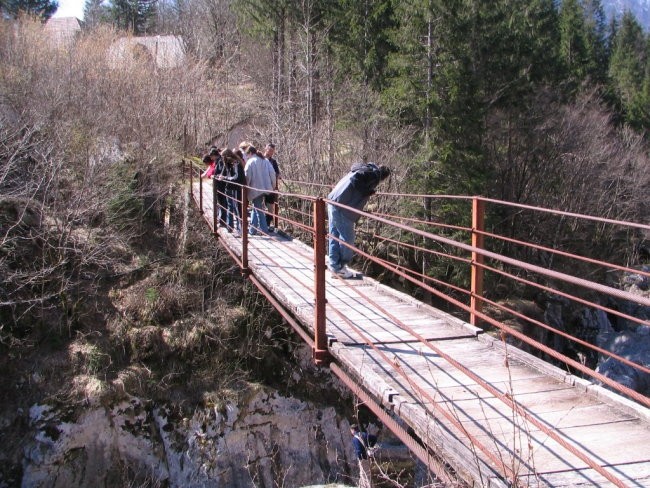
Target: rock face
<point>624,337</point>
<point>634,346</point>
<point>265,441</point>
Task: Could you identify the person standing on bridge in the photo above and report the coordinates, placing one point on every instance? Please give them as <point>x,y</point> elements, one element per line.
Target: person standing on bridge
<point>260,177</point>
<point>353,190</point>
<point>234,177</point>
<point>360,443</point>
<point>271,199</point>
<point>211,160</point>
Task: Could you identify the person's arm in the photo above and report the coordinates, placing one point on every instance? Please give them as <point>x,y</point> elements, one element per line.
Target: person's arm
<point>233,174</point>
<point>272,174</point>
<point>366,181</point>
<point>208,172</point>
<point>248,171</point>
<point>359,450</point>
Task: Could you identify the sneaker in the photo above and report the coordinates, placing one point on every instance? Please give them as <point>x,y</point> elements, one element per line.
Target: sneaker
<point>344,273</point>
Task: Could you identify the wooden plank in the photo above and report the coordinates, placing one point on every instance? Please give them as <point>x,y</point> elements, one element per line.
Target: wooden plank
<point>634,474</point>
<point>624,447</point>
<point>540,384</point>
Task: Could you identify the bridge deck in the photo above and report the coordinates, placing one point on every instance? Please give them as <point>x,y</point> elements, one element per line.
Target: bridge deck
<point>371,325</point>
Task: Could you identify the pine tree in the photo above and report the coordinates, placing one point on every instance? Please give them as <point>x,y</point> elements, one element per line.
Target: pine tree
<point>573,40</point>
<point>411,70</point>
<point>628,71</point>
<point>460,62</point>
<point>133,15</point>
<point>360,38</point>
<point>597,42</point>
<point>40,8</point>
<point>95,12</point>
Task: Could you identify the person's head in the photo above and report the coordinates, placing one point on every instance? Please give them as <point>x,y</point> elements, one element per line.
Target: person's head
<point>384,172</point>
<point>269,150</point>
<point>247,149</point>
<point>207,159</point>
<point>228,156</point>
<point>354,428</point>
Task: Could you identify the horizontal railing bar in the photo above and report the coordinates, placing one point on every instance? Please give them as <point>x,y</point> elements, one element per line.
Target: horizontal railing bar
<point>564,294</point>
<point>563,253</point>
<point>514,262</point>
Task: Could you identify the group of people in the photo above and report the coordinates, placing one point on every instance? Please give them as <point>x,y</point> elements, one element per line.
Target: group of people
<point>245,165</point>
<point>260,172</point>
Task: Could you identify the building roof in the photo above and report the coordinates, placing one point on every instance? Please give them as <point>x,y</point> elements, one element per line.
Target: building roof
<point>165,51</point>
<point>63,29</point>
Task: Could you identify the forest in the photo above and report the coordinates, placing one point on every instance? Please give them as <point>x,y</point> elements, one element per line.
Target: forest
<point>529,102</point>
<point>538,102</point>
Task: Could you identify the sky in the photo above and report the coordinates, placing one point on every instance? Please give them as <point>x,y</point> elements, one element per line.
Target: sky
<point>70,8</point>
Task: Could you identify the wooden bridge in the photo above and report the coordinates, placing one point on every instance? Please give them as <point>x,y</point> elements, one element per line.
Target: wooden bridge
<point>474,409</point>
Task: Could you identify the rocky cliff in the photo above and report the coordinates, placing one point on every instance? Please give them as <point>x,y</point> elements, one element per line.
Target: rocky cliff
<point>266,440</point>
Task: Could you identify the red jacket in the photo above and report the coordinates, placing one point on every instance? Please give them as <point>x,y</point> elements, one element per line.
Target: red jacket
<point>210,171</point>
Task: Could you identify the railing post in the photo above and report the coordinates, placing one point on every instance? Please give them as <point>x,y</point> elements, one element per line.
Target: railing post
<point>320,353</point>
<point>276,207</point>
<point>191,179</point>
<point>478,226</point>
<point>200,195</point>
<point>244,230</point>
<point>215,207</point>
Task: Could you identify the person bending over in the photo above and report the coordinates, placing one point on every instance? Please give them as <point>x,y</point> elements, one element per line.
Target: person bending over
<point>353,190</point>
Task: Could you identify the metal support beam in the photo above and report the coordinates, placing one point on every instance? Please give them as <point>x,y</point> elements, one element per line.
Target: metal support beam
<point>320,352</point>
<point>478,226</point>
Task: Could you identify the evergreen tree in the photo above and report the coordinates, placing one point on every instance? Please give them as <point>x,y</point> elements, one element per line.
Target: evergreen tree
<point>460,62</point>
<point>409,95</point>
<point>597,41</point>
<point>136,16</point>
<point>95,12</point>
<point>360,38</point>
<point>574,48</point>
<point>583,40</point>
<point>628,71</point>
<point>40,8</point>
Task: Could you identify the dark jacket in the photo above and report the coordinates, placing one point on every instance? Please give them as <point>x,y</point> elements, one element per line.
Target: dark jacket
<point>360,441</point>
<point>356,187</point>
<point>220,170</point>
<point>276,168</point>
<point>235,174</point>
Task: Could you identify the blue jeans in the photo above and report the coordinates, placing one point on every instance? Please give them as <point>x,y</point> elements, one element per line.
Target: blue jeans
<point>232,221</point>
<point>343,228</point>
<point>258,219</point>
